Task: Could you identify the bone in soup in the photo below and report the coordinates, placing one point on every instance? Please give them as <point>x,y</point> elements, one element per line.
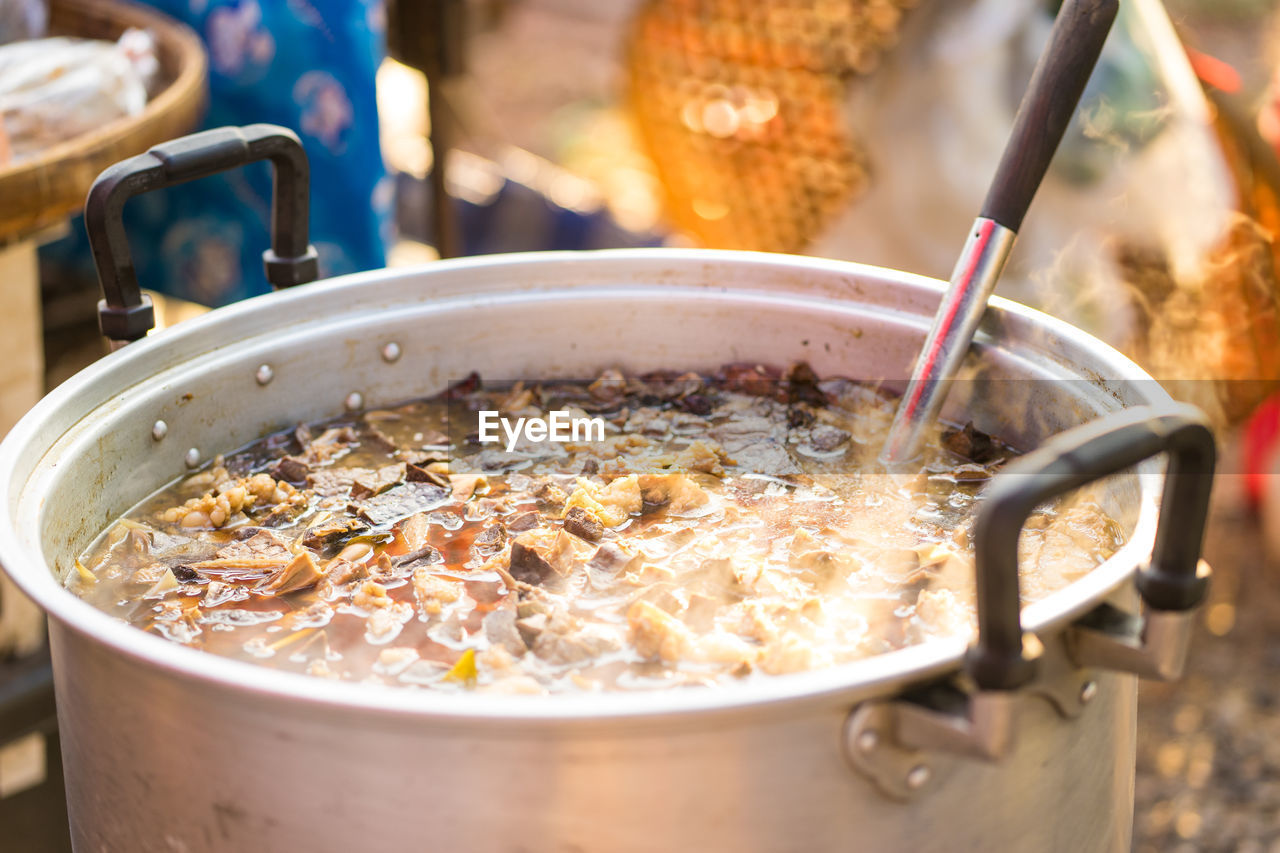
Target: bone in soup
<point>627,533</point>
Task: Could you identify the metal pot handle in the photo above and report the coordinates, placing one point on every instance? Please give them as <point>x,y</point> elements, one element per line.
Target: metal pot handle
<point>125,314</point>
<point>1172,581</point>
<point>890,741</point>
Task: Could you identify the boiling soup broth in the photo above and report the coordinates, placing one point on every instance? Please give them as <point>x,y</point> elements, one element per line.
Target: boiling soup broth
<point>626,533</point>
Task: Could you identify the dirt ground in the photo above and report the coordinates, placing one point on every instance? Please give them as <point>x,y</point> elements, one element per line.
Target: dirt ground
<point>1209,745</point>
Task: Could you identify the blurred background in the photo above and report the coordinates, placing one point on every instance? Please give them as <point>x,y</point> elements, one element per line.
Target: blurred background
<point>858,129</point>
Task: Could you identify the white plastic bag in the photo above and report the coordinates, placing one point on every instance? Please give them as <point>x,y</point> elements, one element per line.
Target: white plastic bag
<point>54,89</point>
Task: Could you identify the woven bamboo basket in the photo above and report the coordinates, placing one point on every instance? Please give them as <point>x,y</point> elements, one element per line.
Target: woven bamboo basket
<point>43,191</point>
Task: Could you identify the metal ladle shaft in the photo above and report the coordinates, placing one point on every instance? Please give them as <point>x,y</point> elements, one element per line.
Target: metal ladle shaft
<point>1051,98</point>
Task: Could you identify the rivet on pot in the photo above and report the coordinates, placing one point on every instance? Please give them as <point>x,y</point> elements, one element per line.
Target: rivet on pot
<point>919,776</point>
<point>868,741</point>
<point>265,374</point>
<point>354,401</point>
<point>1088,691</point>
<point>391,352</point>
<point>192,458</point>
<point>159,430</point>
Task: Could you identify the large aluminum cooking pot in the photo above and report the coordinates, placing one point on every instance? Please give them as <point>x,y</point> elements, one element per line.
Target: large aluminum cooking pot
<point>170,749</point>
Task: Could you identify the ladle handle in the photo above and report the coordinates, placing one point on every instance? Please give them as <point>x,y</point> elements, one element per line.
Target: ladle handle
<point>1059,80</point>
<point>1056,85</point>
<point>1171,581</point>
<point>125,314</point>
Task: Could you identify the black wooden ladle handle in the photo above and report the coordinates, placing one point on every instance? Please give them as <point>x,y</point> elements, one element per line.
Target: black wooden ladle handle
<point>1061,74</point>
<point>125,314</point>
<point>1047,107</point>
<point>1171,581</point>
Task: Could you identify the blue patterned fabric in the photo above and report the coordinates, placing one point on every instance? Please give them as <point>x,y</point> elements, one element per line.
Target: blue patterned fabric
<point>308,65</point>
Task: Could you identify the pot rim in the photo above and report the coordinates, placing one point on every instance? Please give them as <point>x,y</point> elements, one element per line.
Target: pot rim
<point>840,684</point>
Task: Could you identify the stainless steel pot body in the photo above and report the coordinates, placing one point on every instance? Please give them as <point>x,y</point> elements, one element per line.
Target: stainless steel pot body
<point>169,749</point>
